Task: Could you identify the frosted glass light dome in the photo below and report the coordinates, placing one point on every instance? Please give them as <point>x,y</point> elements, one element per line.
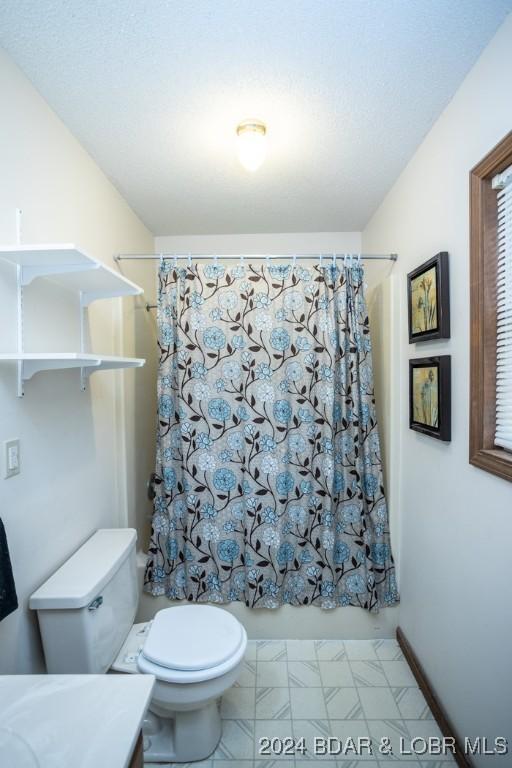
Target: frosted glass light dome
<point>251,144</point>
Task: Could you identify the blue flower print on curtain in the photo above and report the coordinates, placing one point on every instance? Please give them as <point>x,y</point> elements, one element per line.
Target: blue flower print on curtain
<point>268,460</point>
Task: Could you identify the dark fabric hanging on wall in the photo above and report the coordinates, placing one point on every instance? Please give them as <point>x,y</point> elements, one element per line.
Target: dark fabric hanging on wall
<point>8,597</point>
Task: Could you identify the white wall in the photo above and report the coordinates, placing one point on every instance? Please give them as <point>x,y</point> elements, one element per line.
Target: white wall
<point>277,243</point>
<point>73,444</point>
<point>456,519</point>
<point>378,302</point>
<point>287,621</point>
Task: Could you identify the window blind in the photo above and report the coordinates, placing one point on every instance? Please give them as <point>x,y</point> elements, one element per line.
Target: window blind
<point>503,438</point>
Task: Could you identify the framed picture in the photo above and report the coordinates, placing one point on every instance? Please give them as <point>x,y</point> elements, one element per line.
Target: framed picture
<point>430,410</point>
<point>428,300</point>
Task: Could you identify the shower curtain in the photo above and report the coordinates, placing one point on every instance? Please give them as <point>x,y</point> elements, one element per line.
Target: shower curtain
<point>269,483</point>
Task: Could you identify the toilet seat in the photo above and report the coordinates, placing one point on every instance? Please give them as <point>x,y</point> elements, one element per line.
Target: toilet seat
<point>190,676</point>
<point>188,644</point>
<point>192,637</point>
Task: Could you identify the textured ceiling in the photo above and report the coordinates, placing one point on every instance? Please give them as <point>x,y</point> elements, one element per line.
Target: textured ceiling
<point>154,90</point>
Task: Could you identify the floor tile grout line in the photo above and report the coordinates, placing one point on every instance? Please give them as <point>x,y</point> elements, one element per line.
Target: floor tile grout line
<point>328,719</point>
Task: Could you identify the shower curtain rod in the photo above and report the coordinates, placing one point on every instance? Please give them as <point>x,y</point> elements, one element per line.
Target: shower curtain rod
<point>238,257</point>
<point>327,256</point>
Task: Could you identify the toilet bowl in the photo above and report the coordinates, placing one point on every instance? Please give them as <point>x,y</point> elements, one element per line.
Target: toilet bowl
<point>193,669</point>
<point>86,612</point>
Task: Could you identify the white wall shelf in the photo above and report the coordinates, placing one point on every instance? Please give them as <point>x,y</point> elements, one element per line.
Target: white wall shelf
<point>35,362</point>
<point>72,268</point>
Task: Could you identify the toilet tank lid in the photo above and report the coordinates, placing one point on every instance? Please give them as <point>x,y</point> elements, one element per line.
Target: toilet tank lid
<point>80,579</point>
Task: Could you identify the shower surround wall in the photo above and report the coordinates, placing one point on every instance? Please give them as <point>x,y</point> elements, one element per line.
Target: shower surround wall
<point>82,453</point>
<point>456,519</point>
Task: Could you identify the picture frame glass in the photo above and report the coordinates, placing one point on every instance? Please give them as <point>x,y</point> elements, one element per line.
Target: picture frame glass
<point>430,396</point>
<point>428,300</point>
<point>424,302</point>
<point>425,395</point>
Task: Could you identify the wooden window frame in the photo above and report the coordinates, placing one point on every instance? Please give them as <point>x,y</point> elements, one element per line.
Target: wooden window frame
<point>483,270</point>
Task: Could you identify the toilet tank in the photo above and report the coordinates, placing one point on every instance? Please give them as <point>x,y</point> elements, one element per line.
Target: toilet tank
<point>86,609</point>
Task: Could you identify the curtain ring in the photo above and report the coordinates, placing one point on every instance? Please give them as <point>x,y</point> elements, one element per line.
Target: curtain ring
<point>321,260</point>
<point>161,261</point>
<point>241,260</point>
<point>175,261</point>
<point>267,259</point>
<point>215,259</point>
<point>294,261</point>
<point>334,261</point>
<point>190,260</point>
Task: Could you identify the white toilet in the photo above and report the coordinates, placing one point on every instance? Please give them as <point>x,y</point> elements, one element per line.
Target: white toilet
<point>86,611</point>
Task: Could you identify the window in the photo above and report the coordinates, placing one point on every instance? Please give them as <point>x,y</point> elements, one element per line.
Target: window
<point>491,312</point>
<point>503,439</point>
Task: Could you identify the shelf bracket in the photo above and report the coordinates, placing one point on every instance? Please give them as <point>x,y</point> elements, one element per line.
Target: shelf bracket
<point>85,374</point>
<point>31,367</point>
<point>106,365</point>
<point>19,327</point>
<point>31,271</point>
<point>83,338</point>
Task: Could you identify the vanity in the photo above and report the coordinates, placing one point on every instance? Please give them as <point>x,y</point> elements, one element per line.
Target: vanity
<point>84,721</point>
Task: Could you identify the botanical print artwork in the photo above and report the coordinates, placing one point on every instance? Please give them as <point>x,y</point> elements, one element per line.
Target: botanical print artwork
<point>424,301</point>
<point>425,389</point>
<point>269,482</point>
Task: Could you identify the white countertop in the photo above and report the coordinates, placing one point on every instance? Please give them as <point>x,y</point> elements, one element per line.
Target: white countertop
<point>73,721</point>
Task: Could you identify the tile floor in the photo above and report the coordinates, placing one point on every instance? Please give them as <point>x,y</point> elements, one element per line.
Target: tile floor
<point>323,688</point>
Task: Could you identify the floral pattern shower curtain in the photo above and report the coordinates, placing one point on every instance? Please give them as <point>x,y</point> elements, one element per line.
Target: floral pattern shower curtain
<point>269,482</point>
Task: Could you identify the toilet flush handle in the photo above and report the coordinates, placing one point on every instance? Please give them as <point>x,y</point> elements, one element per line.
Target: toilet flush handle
<point>95,603</point>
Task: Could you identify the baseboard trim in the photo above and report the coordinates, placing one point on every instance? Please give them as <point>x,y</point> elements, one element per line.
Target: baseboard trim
<point>438,711</point>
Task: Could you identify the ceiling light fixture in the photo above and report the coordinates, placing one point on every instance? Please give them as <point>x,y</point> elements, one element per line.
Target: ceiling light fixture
<point>251,144</point>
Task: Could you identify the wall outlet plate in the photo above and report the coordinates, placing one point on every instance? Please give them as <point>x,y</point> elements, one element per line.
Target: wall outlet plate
<point>12,458</point>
